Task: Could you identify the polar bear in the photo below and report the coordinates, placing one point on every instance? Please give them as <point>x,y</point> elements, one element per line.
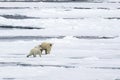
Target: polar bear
<point>35,51</point>
<point>46,46</point>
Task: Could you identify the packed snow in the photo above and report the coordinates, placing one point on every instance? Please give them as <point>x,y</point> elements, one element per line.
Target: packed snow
<point>85,37</point>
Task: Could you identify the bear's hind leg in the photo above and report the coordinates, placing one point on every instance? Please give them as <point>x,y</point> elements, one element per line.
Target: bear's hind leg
<point>39,53</point>
<point>29,55</point>
<point>34,55</point>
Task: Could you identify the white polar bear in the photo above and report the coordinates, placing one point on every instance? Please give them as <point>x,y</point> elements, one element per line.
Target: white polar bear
<point>46,46</point>
<point>35,51</point>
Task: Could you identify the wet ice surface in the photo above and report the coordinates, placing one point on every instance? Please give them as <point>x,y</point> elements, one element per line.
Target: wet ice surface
<point>85,39</point>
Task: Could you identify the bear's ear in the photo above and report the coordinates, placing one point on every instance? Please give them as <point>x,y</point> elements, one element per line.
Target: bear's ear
<point>51,44</point>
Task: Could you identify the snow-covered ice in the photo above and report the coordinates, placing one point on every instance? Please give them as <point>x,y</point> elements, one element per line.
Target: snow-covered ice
<point>85,39</point>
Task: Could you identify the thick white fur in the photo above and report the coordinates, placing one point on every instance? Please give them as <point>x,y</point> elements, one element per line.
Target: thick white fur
<point>35,51</point>
<point>46,46</point>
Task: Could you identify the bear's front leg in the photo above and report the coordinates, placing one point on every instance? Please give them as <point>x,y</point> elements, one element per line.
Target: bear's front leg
<point>29,55</point>
<point>41,50</point>
<point>46,52</point>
